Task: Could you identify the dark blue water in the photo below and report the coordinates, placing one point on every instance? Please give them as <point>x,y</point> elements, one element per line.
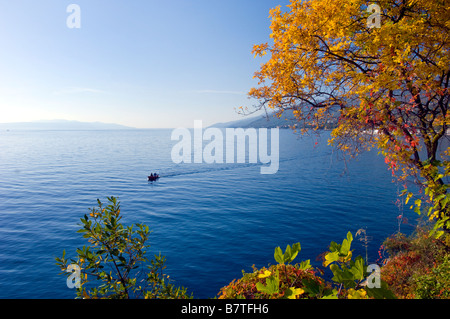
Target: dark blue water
<point>210,221</point>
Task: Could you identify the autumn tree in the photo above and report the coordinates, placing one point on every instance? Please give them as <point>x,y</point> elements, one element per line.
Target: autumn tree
<point>379,70</point>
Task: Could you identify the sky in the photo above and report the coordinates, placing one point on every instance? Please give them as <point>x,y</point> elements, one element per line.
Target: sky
<point>140,63</point>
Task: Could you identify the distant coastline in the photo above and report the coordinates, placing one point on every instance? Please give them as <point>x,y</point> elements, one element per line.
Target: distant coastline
<point>61,125</point>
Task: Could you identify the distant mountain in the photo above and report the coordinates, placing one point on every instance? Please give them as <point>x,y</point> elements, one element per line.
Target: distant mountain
<point>60,125</point>
<point>262,121</point>
<point>271,120</point>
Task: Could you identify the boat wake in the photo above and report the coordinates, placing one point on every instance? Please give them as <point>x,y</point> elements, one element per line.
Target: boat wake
<point>193,169</point>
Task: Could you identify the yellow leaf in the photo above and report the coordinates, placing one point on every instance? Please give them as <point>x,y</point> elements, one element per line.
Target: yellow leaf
<point>408,198</point>
<point>348,257</point>
<point>265,274</point>
<point>357,294</point>
<point>294,292</point>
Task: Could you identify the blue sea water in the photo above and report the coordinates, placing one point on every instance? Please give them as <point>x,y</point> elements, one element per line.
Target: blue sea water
<point>211,221</point>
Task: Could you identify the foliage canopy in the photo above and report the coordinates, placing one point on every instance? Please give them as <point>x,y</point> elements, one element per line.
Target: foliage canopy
<point>385,86</point>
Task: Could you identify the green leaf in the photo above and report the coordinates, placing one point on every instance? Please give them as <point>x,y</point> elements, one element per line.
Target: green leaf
<point>287,254</point>
<point>311,286</point>
<point>304,265</point>
<point>271,287</point>
<point>279,258</point>
<point>342,276</point>
<point>381,293</point>
<point>273,284</point>
<point>334,246</point>
<point>358,269</point>
<point>337,272</point>
<point>346,244</point>
<point>333,294</point>
<point>261,287</point>
<point>330,258</point>
<point>294,252</point>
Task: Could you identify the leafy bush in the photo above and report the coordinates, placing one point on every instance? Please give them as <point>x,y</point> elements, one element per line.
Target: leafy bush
<point>396,244</point>
<point>301,281</point>
<point>398,273</point>
<point>418,265</point>
<point>435,284</point>
<point>350,275</point>
<point>278,281</point>
<point>113,265</point>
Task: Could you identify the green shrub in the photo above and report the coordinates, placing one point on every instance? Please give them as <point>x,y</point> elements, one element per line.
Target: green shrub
<point>418,265</point>
<point>301,281</point>
<point>276,282</point>
<point>280,281</point>
<point>350,274</point>
<point>435,284</point>
<point>113,265</point>
<point>398,274</point>
<point>397,243</point>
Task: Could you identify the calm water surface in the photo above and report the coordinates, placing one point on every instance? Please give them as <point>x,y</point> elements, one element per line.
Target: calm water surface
<point>210,221</point>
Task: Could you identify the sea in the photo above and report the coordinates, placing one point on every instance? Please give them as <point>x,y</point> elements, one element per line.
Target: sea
<point>210,221</point>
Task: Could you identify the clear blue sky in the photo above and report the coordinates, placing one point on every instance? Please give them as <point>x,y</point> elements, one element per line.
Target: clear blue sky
<point>142,63</point>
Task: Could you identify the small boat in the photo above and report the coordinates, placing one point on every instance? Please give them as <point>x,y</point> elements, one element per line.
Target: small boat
<point>153,178</point>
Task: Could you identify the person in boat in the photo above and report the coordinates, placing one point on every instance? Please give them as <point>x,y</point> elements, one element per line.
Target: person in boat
<point>151,175</point>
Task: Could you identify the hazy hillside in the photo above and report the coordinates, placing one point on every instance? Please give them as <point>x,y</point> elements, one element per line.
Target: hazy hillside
<point>286,120</point>
<point>261,121</point>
